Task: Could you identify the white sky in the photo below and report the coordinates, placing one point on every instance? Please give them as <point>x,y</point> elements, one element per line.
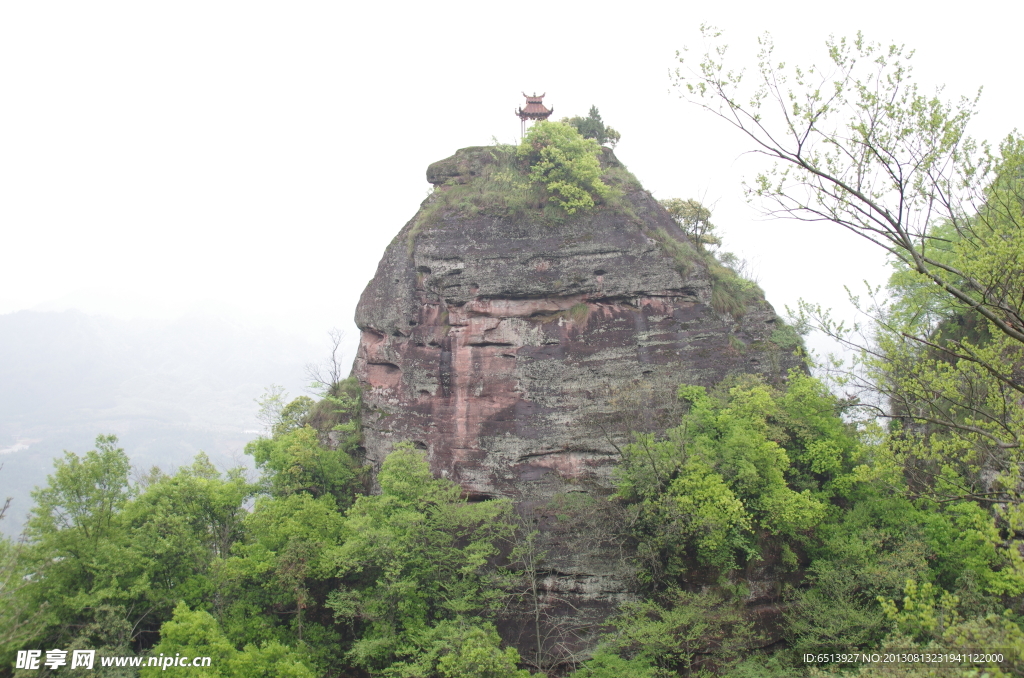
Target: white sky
<point>255,158</point>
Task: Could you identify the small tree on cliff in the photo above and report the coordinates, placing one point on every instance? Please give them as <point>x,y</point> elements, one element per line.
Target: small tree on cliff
<point>566,163</point>
<point>592,127</point>
<point>694,219</point>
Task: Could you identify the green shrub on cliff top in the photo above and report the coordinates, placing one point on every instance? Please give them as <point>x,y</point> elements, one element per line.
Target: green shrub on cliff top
<point>566,163</point>
<point>553,174</point>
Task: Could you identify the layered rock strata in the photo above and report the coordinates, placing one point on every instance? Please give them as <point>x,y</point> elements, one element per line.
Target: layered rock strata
<point>519,354</point>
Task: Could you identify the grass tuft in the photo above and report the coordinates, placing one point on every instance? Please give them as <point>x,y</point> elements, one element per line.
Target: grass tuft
<point>682,253</point>
<point>579,313</point>
<point>731,293</point>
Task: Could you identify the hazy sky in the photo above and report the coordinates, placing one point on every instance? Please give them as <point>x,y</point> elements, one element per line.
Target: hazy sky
<point>255,158</point>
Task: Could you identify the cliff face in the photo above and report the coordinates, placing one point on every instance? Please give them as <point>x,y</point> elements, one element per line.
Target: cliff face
<point>519,354</point>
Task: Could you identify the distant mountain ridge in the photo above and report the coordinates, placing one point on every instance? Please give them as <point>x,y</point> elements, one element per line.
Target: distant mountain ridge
<point>167,389</point>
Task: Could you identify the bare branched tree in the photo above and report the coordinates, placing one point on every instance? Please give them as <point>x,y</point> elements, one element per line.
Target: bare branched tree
<point>329,372</point>
<point>857,144</point>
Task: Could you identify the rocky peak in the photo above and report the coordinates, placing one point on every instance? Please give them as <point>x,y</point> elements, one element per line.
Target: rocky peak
<point>519,350</point>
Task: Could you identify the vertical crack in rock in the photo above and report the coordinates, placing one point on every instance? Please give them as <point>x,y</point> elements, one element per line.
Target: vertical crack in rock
<point>444,369</point>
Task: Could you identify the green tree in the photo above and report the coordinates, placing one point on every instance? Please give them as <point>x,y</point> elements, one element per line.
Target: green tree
<point>857,556</point>
<point>857,144</point>
<point>414,556</point>
<point>21,618</point>
<point>209,502</point>
<point>277,580</point>
<point>271,404</point>
<point>680,633</point>
<point>929,619</point>
<point>951,378</point>
<point>78,541</point>
<point>746,460</point>
<point>336,415</point>
<point>606,664</point>
<point>458,649</point>
<point>566,164</point>
<point>295,461</point>
<point>950,382</point>
<point>592,127</point>
<point>109,560</point>
<point>194,633</point>
<point>177,531</point>
<point>694,219</point>
<point>83,496</point>
<point>294,415</point>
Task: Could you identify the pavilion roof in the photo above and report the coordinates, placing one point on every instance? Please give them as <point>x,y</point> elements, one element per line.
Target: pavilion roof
<point>535,109</point>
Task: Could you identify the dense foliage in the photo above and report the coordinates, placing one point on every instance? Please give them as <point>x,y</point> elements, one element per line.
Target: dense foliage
<point>315,577</point>
<point>566,163</point>
<point>318,578</point>
<point>747,461</point>
<point>859,145</point>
